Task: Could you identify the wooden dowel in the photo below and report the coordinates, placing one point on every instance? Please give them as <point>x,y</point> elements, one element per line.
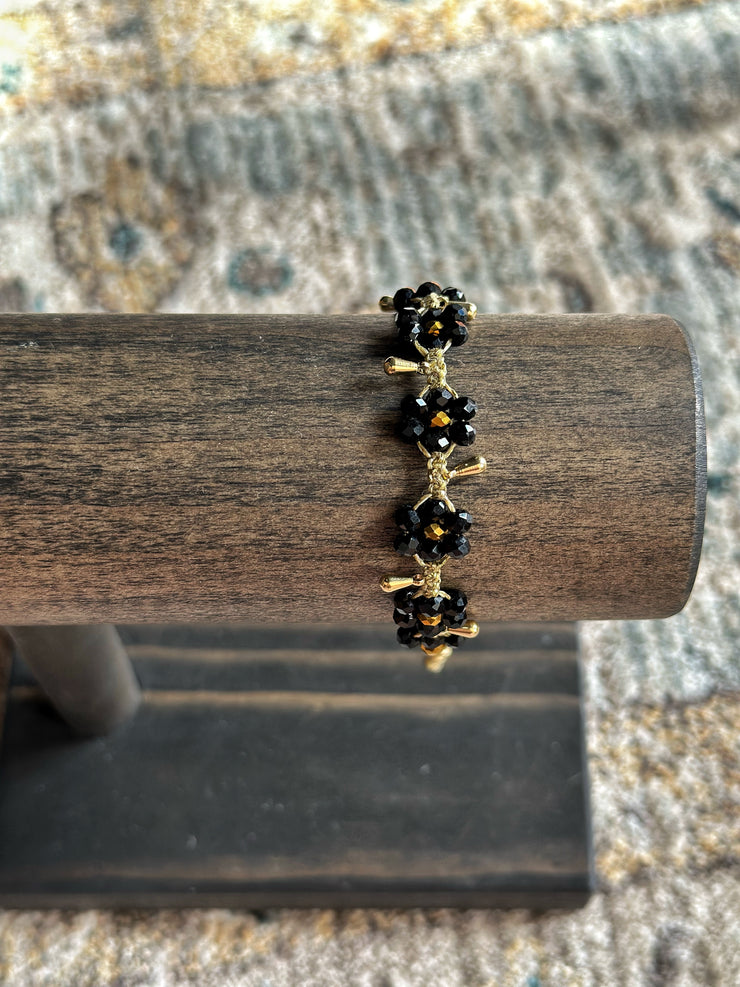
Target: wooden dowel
<point>210,468</point>
<point>84,671</point>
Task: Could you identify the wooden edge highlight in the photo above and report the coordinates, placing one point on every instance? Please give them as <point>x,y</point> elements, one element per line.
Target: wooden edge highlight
<point>6,663</point>
<point>592,878</point>
<point>700,466</point>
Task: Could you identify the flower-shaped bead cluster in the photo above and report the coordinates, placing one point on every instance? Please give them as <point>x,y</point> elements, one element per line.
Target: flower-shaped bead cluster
<point>431,327</point>
<point>428,620</point>
<point>437,419</point>
<point>431,530</point>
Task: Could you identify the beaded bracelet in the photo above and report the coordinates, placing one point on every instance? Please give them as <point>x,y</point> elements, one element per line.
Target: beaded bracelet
<point>429,321</point>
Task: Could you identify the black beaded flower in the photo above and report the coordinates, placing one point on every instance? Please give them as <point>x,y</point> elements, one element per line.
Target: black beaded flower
<point>422,619</point>
<point>437,420</point>
<point>433,327</point>
<point>432,530</point>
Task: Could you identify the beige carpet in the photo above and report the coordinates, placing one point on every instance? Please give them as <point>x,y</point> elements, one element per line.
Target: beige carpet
<point>548,156</point>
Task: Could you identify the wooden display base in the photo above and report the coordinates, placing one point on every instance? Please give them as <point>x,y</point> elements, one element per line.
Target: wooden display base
<point>307,766</point>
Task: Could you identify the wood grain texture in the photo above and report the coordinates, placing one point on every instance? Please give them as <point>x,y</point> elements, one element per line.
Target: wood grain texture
<point>205,468</point>
<point>307,765</point>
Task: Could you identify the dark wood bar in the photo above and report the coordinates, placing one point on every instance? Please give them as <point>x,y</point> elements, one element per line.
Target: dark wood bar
<point>216,468</point>
<point>304,765</point>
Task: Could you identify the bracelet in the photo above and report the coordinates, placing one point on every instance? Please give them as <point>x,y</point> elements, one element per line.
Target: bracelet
<point>429,321</point>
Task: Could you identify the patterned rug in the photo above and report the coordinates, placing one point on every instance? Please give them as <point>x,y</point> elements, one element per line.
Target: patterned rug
<point>549,155</point>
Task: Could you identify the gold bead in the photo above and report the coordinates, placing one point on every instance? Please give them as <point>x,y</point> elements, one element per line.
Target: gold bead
<point>434,531</point>
<point>395,365</point>
<point>471,308</point>
<point>389,583</point>
<point>435,661</point>
<point>438,649</point>
<point>386,303</point>
<point>469,629</point>
<point>440,419</point>
<point>471,467</point>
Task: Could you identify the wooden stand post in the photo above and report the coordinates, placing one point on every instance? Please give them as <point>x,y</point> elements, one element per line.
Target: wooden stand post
<point>84,671</point>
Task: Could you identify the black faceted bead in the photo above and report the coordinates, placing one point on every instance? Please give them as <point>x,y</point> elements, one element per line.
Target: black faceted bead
<point>432,551</point>
<point>432,509</point>
<point>406,517</point>
<point>402,298</point>
<point>453,640</point>
<point>432,630</point>
<point>455,613</point>
<point>430,606</point>
<point>407,543</point>
<point>405,635</point>
<point>435,441</point>
<point>438,398</point>
<point>409,328</point>
<point>413,406</point>
<point>456,620</point>
<point>410,430</point>
<point>404,618</point>
<point>428,288</point>
<point>407,318</point>
<point>404,599</point>
<point>457,546</point>
<point>454,294</point>
<point>462,433</point>
<point>406,347</point>
<point>431,342</point>
<point>460,522</point>
<point>457,602</point>
<point>453,314</point>
<point>463,408</point>
<point>432,316</point>
<point>458,334</point>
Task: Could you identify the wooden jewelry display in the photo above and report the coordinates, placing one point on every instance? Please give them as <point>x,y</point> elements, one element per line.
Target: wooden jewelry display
<point>204,701</point>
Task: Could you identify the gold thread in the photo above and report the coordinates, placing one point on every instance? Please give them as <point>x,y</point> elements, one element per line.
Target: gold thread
<point>433,577</point>
<point>435,369</point>
<point>438,474</point>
